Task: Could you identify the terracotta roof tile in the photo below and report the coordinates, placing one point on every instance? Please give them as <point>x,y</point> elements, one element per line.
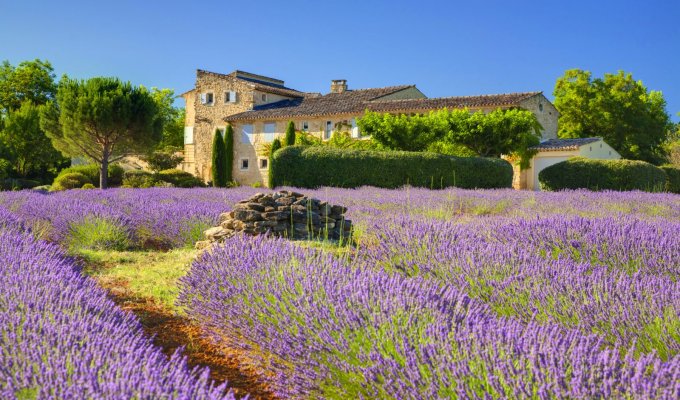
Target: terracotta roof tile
<point>356,101</point>
<point>565,144</point>
<point>351,101</point>
<point>489,100</point>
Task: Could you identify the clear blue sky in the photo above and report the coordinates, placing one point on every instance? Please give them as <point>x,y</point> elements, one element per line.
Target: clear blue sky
<point>445,48</point>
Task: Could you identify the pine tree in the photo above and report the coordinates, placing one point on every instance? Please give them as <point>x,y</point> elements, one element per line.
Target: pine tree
<point>229,150</point>
<point>219,158</point>
<point>290,134</point>
<point>276,145</point>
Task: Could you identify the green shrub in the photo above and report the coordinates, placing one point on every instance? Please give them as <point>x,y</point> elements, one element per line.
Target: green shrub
<point>311,167</point>
<point>140,179</point>
<point>673,176</point>
<point>91,171</point>
<point>583,173</point>
<point>163,159</point>
<point>17,184</point>
<point>289,138</point>
<point>180,178</point>
<point>229,150</point>
<point>70,180</point>
<point>88,186</point>
<point>219,161</point>
<point>98,234</point>
<point>5,169</point>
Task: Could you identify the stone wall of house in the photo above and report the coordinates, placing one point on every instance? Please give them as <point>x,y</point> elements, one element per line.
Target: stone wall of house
<point>545,112</point>
<point>210,117</point>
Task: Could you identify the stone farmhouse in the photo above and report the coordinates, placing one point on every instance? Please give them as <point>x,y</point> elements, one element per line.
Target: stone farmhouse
<point>259,109</point>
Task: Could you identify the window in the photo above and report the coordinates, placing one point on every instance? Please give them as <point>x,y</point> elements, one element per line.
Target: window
<point>264,163</point>
<point>355,129</point>
<point>269,131</point>
<point>329,130</point>
<point>207,98</point>
<point>305,126</point>
<point>540,107</point>
<point>188,135</point>
<point>247,134</point>
<point>244,164</point>
<point>264,97</point>
<point>229,97</point>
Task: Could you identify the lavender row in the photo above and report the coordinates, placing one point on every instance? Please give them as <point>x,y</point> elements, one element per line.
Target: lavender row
<point>322,326</point>
<point>60,337</point>
<point>617,278</point>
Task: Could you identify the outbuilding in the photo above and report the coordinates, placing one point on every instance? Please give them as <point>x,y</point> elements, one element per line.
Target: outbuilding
<point>553,151</point>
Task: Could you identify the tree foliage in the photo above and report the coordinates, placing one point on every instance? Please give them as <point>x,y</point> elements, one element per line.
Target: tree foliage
<point>31,81</point>
<point>102,119</point>
<point>500,132</point>
<point>160,160</point>
<point>172,117</point>
<point>219,160</point>
<point>229,150</point>
<point>289,139</point>
<point>26,145</point>
<point>403,132</point>
<point>276,145</point>
<point>632,119</point>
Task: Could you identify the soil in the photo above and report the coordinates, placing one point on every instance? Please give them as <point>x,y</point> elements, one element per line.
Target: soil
<point>171,331</point>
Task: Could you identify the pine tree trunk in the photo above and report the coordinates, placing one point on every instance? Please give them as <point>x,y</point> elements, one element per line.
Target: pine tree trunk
<point>104,170</point>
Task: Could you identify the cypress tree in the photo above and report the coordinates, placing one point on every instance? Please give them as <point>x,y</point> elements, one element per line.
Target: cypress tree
<point>218,161</point>
<point>290,134</point>
<point>276,145</point>
<point>229,150</point>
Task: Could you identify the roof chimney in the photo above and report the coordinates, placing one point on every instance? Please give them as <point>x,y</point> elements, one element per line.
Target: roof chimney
<point>338,85</point>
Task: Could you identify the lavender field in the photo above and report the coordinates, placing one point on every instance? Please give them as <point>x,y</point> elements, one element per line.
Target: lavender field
<point>445,294</point>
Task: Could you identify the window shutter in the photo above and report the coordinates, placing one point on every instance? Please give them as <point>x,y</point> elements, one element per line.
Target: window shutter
<point>232,97</point>
<point>203,98</point>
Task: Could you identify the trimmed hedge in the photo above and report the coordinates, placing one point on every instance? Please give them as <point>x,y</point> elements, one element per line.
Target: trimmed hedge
<point>315,166</point>
<point>179,178</point>
<point>583,173</point>
<point>673,178</point>
<point>168,177</point>
<point>92,173</point>
<point>70,180</point>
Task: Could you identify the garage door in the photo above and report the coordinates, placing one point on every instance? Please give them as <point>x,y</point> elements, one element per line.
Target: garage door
<point>540,163</point>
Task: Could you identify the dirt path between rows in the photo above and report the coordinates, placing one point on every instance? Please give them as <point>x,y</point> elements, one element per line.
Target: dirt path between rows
<point>171,331</point>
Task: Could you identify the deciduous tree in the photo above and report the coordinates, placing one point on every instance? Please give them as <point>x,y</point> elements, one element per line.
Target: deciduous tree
<point>26,145</point>
<point>631,118</point>
<point>31,81</point>
<point>102,119</point>
<point>403,132</point>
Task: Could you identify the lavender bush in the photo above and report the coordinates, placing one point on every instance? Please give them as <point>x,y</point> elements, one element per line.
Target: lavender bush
<point>60,337</point>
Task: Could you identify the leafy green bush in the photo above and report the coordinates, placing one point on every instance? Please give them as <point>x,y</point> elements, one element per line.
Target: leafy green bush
<point>88,186</point>
<point>673,176</point>
<point>91,171</point>
<point>17,184</point>
<point>311,167</point>
<point>140,179</point>
<point>70,180</point>
<point>180,178</point>
<point>98,234</point>
<point>5,168</point>
<point>583,173</point>
<point>163,159</point>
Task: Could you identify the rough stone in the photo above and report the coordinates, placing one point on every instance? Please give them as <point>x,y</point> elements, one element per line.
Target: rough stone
<point>273,213</point>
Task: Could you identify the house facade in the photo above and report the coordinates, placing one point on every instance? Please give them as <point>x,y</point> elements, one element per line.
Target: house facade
<point>259,109</point>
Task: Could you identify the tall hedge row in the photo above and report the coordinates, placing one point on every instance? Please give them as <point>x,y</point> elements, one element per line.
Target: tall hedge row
<point>583,173</point>
<point>313,166</point>
<point>673,175</point>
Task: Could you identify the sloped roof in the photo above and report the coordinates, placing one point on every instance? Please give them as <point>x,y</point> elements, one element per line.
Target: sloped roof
<point>260,85</point>
<point>565,144</point>
<point>356,101</point>
<point>348,102</point>
<point>488,100</point>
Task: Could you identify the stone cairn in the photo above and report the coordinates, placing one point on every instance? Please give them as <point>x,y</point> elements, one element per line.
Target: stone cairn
<point>283,214</point>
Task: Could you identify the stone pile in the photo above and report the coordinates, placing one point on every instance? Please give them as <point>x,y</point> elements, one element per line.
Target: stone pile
<point>283,214</point>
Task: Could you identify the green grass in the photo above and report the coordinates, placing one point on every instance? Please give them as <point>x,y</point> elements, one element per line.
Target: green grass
<point>139,274</point>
